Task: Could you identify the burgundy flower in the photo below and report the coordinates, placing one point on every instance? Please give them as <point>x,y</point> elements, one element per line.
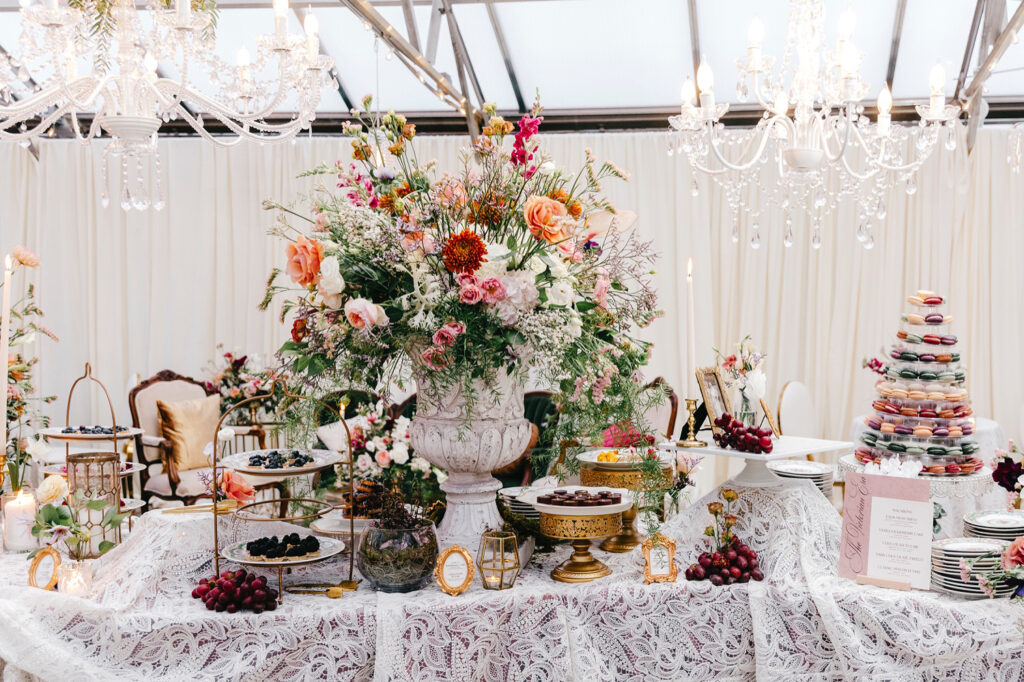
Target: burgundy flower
<point>1006,474</point>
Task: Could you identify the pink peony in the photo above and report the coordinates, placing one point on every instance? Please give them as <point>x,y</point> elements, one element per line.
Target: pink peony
<point>471,295</point>
<point>1014,554</point>
<point>493,290</point>
<point>435,358</point>
<point>456,326</point>
<point>383,459</point>
<point>362,313</point>
<point>444,337</point>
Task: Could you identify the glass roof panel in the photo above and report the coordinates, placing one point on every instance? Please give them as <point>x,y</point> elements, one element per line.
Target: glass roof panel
<point>598,53</point>
<point>933,31</point>
<point>1008,78</point>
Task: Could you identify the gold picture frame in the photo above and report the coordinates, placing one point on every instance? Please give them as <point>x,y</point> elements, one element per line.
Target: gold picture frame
<point>33,569</point>
<point>659,560</point>
<point>455,552</point>
<point>771,418</point>
<point>712,391</point>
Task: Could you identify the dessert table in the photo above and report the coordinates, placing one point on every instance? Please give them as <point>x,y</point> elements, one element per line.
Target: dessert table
<point>801,623</point>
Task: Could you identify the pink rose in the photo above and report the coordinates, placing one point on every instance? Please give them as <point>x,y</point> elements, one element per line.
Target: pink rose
<point>364,462</point>
<point>320,222</point>
<point>435,358</point>
<point>1014,554</point>
<point>382,458</point>
<point>471,295</point>
<point>444,337</point>
<point>362,313</point>
<point>570,251</point>
<point>466,279</point>
<point>601,287</point>
<point>456,326</point>
<point>493,290</point>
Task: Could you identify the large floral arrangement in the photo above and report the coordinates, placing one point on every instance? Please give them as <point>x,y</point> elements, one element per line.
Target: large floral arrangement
<point>383,453</point>
<point>236,378</point>
<point>509,265</point>
<point>743,373</point>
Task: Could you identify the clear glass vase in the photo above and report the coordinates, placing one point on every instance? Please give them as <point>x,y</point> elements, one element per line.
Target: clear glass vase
<point>397,560</point>
<point>747,414</point>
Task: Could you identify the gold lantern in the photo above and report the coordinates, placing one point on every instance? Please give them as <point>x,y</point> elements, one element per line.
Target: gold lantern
<point>498,559</point>
<point>96,477</point>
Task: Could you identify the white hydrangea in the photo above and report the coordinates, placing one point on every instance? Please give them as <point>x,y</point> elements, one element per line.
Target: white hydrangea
<point>497,261</point>
<point>521,296</point>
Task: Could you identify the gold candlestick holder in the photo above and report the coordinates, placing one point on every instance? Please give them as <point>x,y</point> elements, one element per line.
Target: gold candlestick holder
<point>691,438</point>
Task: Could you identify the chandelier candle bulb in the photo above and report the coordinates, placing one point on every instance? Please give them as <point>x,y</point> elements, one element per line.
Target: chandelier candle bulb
<point>884,107</point>
<point>755,36</point>
<point>691,332</point>
<point>184,8</point>
<point>937,101</point>
<point>706,83</point>
<point>280,18</point>
<point>311,26</point>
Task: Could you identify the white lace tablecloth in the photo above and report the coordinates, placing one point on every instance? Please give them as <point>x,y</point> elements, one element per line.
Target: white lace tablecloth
<point>802,623</point>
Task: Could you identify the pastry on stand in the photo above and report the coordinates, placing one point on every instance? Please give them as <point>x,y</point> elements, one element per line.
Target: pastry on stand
<point>580,514</point>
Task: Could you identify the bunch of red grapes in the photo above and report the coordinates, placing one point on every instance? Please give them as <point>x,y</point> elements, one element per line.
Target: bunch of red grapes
<point>236,591</point>
<point>737,564</point>
<point>732,433</point>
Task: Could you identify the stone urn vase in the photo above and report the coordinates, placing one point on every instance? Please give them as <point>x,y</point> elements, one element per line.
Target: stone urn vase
<point>469,446</point>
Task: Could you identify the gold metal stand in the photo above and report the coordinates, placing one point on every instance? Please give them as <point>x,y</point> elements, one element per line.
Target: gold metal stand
<point>627,538</point>
<point>581,566</point>
<point>691,438</point>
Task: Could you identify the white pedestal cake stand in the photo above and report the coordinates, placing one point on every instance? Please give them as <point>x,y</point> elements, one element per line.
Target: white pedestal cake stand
<point>756,473</point>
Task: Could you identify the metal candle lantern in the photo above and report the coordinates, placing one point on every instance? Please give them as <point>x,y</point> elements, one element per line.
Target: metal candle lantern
<point>94,477</point>
<point>498,559</point>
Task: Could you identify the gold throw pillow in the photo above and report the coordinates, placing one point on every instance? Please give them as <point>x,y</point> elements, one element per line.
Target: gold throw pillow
<point>190,425</point>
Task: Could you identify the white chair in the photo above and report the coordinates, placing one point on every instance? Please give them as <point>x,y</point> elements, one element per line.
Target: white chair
<point>797,414</point>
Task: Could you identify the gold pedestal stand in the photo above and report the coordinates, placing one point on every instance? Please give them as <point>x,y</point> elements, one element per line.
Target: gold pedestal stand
<point>581,566</point>
<point>626,538</point>
<point>691,438</point>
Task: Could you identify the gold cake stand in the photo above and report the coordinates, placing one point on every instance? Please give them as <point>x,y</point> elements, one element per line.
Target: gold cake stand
<point>581,566</point>
<point>625,538</point>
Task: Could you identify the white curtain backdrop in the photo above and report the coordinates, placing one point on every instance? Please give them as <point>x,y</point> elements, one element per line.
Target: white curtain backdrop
<point>140,292</point>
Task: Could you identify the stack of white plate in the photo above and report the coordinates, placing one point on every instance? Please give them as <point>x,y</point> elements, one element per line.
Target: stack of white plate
<point>995,523</point>
<point>509,495</point>
<point>821,474</point>
<point>947,555</point>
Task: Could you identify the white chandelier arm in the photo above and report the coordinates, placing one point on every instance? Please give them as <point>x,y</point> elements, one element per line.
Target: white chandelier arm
<point>238,123</point>
<point>880,163</point>
<point>756,158</point>
<point>767,106</point>
<point>40,128</point>
<point>825,118</point>
<point>243,130</point>
<point>94,127</point>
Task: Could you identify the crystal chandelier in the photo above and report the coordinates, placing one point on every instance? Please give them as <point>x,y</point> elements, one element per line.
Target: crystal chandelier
<point>823,149</point>
<point>127,97</point>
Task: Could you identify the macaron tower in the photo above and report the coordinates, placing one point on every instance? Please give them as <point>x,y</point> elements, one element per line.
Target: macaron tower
<point>922,412</point>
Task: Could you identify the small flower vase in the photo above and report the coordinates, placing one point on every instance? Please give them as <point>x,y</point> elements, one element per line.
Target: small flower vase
<point>747,414</point>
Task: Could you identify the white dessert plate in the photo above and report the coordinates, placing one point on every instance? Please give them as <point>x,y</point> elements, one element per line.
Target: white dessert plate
<point>237,553</point>
<point>240,462</point>
<point>796,468</point>
<point>996,520</point>
<point>530,497</point>
<point>967,547</point>
<point>55,433</point>
<point>127,469</point>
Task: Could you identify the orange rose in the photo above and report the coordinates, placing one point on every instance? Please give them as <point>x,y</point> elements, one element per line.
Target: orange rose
<point>236,488</point>
<point>304,258</point>
<point>544,216</point>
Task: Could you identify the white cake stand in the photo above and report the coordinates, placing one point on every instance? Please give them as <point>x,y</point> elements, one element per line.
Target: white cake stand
<point>756,473</point>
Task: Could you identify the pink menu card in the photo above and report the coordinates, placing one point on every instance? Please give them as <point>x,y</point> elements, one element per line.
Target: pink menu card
<point>887,529</point>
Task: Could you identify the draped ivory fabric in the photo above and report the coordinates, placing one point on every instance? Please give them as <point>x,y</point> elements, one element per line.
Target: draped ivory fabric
<point>139,292</point>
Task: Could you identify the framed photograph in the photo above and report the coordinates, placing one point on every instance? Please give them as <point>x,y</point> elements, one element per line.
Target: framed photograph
<point>712,390</point>
<point>659,559</point>
<point>454,570</point>
<point>771,418</point>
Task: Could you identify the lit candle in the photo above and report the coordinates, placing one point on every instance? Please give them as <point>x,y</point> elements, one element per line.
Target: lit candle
<point>311,26</point>
<point>184,12</point>
<point>937,101</point>
<point>755,35</point>
<point>19,516</point>
<point>280,18</point>
<point>688,94</point>
<point>5,329</point>
<point>691,333</point>
<point>75,578</point>
<point>491,579</point>
<point>706,83</point>
<point>884,107</point>
<point>243,67</point>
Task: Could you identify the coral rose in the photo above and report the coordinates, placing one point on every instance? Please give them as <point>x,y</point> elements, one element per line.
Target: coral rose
<point>236,488</point>
<point>544,218</point>
<point>1014,554</point>
<point>304,257</point>
<point>362,313</point>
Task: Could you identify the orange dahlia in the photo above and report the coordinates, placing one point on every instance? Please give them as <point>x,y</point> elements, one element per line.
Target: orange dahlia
<point>464,252</point>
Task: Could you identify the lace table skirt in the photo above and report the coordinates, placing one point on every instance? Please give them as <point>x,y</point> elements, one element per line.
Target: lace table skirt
<point>802,623</point>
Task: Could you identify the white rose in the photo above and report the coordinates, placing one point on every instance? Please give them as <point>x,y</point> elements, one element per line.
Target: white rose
<point>363,462</point>
<point>399,453</point>
<point>226,434</point>
<point>370,446</point>
<point>419,464</point>
<point>546,168</point>
<point>560,293</point>
<point>331,282</point>
<point>52,489</point>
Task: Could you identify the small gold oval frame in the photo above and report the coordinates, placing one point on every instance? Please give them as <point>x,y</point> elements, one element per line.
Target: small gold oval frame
<point>443,558</point>
<point>33,568</point>
<point>670,546</point>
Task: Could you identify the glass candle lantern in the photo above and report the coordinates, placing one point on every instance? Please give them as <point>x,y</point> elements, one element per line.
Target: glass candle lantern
<point>19,515</point>
<point>95,476</point>
<point>75,578</point>
<point>498,559</point>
